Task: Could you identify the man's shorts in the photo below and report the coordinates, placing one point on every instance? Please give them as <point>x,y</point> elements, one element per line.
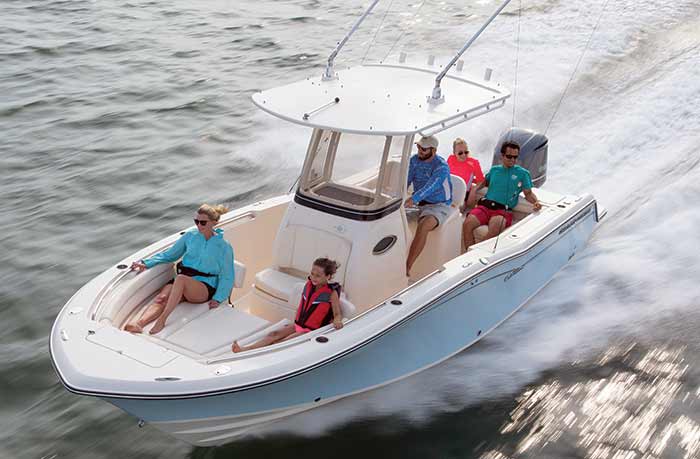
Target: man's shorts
<point>484,214</point>
<point>439,211</point>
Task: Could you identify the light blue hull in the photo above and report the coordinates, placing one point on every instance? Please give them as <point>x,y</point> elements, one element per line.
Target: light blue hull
<point>456,320</point>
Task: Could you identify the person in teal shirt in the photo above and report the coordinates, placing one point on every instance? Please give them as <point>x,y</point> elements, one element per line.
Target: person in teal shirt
<point>206,272</point>
<point>505,182</point>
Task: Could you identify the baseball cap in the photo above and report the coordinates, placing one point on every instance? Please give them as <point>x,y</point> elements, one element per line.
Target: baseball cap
<point>428,142</point>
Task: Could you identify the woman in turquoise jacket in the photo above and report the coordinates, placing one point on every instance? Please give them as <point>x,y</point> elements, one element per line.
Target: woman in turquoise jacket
<point>205,273</point>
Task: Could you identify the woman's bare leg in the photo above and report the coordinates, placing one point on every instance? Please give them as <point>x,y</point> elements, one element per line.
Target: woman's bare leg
<point>184,287</point>
<point>151,312</point>
<point>271,338</point>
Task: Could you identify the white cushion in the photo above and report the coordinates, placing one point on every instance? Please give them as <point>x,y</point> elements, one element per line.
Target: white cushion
<point>277,284</point>
<point>239,270</point>
<point>295,296</point>
<point>297,246</point>
<point>347,308</point>
<point>216,328</point>
<point>183,314</point>
<point>459,190</point>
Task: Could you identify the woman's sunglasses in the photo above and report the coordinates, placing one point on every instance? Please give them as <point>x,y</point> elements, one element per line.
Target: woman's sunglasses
<point>201,222</point>
<point>460,153</point>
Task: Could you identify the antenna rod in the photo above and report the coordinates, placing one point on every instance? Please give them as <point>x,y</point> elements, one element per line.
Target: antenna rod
<point>328,74</point>
<point>436,96</point>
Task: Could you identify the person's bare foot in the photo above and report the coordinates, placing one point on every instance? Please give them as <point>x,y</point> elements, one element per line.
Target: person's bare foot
<point>157,327</point>
<point>134,328</point>
<point>235,347</point>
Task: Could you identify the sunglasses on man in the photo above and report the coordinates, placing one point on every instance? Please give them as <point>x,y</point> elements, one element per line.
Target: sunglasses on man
<point>511,156</point>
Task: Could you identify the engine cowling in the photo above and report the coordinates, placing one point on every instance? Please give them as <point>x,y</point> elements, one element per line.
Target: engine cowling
<point>533,152</point>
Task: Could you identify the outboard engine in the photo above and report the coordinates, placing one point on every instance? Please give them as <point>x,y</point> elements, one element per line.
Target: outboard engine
<point>533,152</point>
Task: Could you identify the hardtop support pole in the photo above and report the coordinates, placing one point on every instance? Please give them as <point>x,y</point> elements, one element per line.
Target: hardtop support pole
<point>328,74</point>
<point>436,97</point>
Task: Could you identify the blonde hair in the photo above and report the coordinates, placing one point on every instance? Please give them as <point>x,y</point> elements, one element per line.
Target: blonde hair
<point>213,212</point>
<point>459,141</point>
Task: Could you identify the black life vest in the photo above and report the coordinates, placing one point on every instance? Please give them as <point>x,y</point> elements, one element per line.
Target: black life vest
<point>315,308</point>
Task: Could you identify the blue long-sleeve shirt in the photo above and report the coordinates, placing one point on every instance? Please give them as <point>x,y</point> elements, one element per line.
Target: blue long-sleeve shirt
<point>213,256</point>
<point>431,180</point>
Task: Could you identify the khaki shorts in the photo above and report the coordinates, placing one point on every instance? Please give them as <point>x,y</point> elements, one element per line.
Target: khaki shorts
<point>439,211</point>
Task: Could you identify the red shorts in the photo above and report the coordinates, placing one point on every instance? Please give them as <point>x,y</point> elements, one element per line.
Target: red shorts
<point>484,214</point>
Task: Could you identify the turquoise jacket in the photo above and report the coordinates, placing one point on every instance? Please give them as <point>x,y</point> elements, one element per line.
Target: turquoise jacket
<point>213,256</point>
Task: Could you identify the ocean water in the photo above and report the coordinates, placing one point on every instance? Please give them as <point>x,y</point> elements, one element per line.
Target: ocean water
<point>118,118</point>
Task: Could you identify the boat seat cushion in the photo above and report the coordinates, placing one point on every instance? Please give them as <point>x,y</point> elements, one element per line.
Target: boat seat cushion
<point>459,190</point>
<point>215,329</point>
<point>183,314</point>
<point>239,276</point>
<point>297,246</point>
<point>276,283</point>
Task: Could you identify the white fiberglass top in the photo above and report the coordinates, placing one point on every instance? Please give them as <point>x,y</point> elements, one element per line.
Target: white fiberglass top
<point>382,100</point>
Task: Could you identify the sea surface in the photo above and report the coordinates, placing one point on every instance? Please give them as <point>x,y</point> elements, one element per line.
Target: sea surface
<point>118,118</point>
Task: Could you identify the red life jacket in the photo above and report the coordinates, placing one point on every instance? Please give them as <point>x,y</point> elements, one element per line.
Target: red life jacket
<point>315,308</point>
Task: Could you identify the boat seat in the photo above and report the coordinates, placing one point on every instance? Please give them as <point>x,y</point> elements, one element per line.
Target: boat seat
<point>443,243</point>
<point>215,329</point>
<point>296,247</point>
<point>459,190</point>
<point>276,283</point>
<point>183,314</point>
<point>239,270</point>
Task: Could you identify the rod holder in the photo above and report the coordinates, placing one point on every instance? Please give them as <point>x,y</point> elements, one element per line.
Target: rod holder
<point>402,57</point>
<point>460,65</point>
<point>487,74</point>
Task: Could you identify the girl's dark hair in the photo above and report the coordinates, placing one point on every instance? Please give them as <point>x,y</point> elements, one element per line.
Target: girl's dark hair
<point>507,145</point>
<point>328,266</point>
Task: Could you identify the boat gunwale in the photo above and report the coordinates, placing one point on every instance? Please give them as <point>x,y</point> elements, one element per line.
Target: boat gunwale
<point>428,305</point>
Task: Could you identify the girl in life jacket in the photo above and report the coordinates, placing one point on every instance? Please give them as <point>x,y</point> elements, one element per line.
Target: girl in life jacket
<point>319,305</point>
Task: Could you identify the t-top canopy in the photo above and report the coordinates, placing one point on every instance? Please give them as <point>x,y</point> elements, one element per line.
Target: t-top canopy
<point>381,100</point>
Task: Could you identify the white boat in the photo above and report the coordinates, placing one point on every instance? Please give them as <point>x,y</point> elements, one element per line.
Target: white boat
<point>348,206</point>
